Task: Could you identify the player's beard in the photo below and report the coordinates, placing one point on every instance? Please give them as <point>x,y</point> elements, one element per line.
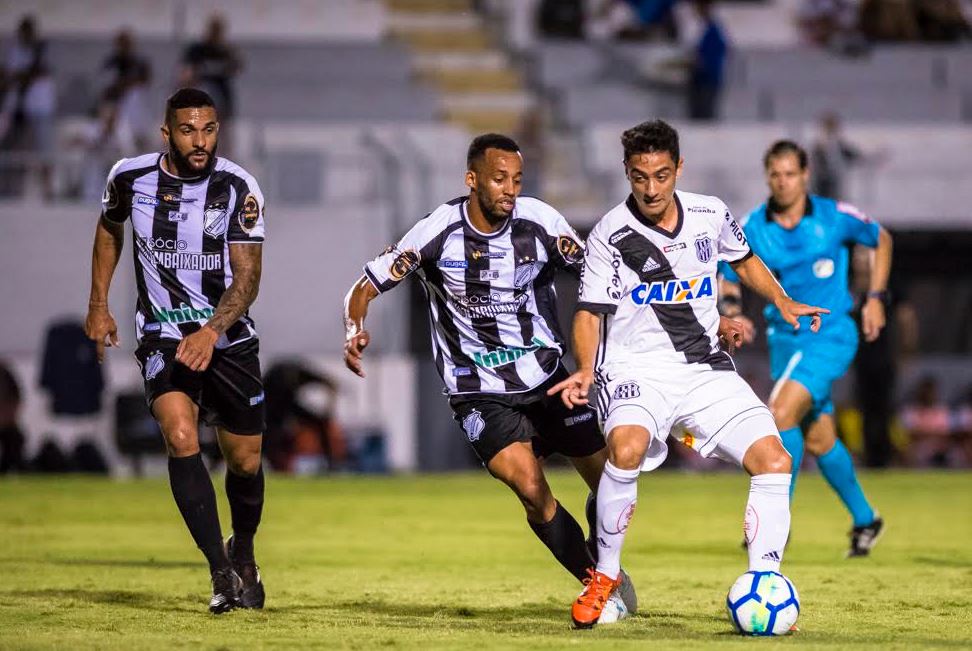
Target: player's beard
<point>492,212</point>
<point>181,163</point>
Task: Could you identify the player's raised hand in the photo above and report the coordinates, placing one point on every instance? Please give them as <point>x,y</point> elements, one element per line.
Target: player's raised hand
<point>872,319</point>
<point>791,311</point>
<point>573,391</point>
<point>735,332</point>
<point>354,347</point>
<point>196,350</point>
<point>100,327</point>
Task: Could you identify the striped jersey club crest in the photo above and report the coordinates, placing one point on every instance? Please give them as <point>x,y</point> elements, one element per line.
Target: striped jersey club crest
<point>703,249</point>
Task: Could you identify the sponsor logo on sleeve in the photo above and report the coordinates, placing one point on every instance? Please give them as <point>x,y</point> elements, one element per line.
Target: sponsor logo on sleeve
<point>570,249</point>
<point>620,235</point>
<point>146,200</point>
<point>405,263</point>
<point>249,214</point>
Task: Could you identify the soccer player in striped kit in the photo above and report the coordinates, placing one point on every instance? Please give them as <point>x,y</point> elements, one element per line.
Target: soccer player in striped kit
<point>197,225</point>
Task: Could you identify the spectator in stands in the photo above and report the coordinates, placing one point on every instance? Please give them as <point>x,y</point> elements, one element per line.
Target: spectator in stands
<point>928,422</point>
<point>888,20</point>
<point>31,103</point>
<point>831,157</point>
<point>11,438</point>
<point>639,19</point>
<point>708,66</point>
<point>128,90</point>
<point>941,20</point>
<point>211,64</point>
<point>831,23</point>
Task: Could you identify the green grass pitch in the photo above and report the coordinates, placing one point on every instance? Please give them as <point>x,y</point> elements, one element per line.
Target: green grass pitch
<point>448,562</point>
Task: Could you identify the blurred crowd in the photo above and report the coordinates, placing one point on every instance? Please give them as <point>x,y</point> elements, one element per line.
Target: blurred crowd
<point>122,121</point>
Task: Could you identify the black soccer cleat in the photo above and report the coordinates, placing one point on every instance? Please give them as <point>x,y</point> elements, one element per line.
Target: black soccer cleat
<point>226,591</point>
<point>252,594</point>
<point>864,538</point>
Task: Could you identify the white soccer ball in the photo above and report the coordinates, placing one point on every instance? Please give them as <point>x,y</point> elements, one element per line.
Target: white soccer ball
<point>763,603</point>
<point>614,610</point>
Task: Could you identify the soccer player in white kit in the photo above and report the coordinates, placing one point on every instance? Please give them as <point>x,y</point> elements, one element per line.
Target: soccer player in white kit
<point>645,332</point>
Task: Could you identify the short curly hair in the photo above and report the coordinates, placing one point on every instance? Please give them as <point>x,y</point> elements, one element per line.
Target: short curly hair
<point>650,137</point>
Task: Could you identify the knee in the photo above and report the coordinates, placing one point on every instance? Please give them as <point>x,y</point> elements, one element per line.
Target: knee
<point>785,416</point>
<point>627,455</point>
<point>244,465</point>
<point>817,444</point>
<point>778,462</point>
<point>181,440</point>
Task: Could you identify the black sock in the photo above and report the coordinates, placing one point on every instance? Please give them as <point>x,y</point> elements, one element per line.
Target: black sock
<point>196,499</point>
<point>590,510</point>
<point>245,496</point>
<point>565,539</point>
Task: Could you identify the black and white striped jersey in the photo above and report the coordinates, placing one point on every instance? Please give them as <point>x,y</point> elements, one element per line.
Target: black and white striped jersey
<point>182,229</point>
<point>491,297</point>
<point>657,289</point>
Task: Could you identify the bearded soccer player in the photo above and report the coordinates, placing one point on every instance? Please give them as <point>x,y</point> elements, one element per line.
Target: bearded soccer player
<point>804,239</point>
<point>486,262</point>
<point>646,329</point>
<point>197,223</point>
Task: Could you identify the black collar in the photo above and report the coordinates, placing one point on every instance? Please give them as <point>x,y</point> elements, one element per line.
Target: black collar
<point>772,208</point>
<point>632,205</point>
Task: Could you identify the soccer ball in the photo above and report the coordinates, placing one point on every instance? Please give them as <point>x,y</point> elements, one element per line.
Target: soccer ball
<point>763,603</point>
<point>614,610</point>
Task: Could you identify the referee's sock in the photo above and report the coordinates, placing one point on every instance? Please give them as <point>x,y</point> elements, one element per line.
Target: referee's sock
<point>565,539</point>
<point>196,499</point>
<point>793,442</point>
<point>837,467</point>
<point>245,495</point>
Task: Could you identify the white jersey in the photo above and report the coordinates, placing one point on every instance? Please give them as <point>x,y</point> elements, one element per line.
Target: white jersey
<point>491,297</point>
<point>658,290</point>
<point>182,231</point>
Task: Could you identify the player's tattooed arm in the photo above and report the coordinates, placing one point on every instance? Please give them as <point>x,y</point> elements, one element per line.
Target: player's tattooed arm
<point>246,260</point>
<point>99,324</point>
<point>355,310</point>
<point>754,274</point>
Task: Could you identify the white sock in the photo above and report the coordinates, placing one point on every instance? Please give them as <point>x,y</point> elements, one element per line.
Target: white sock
<point>617,494</point>
<point>767,522</point>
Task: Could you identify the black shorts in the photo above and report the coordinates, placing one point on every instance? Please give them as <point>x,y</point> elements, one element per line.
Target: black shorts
<point>493,421</point>
<point>229,392</point>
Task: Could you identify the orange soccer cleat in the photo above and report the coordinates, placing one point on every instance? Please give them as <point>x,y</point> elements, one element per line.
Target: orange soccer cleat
<point>586,610</point>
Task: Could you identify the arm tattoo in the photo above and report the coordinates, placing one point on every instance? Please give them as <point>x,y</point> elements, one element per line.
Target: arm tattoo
<point>246,261</point>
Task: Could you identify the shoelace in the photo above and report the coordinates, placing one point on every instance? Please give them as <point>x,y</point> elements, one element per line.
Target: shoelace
<point>594,590</point>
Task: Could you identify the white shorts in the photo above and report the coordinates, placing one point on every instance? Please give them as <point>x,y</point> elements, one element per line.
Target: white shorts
<point>716,413</point>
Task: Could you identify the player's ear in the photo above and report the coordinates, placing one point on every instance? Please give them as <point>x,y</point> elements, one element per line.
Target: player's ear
<point>471,179</point>
<point>678,166</point>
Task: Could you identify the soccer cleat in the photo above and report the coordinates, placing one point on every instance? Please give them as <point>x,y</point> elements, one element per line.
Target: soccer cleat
<point>626,591</point>
<point>226,591</point>
<point>864,538</point>
<point>251,593</point>
<point>587,609</point>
